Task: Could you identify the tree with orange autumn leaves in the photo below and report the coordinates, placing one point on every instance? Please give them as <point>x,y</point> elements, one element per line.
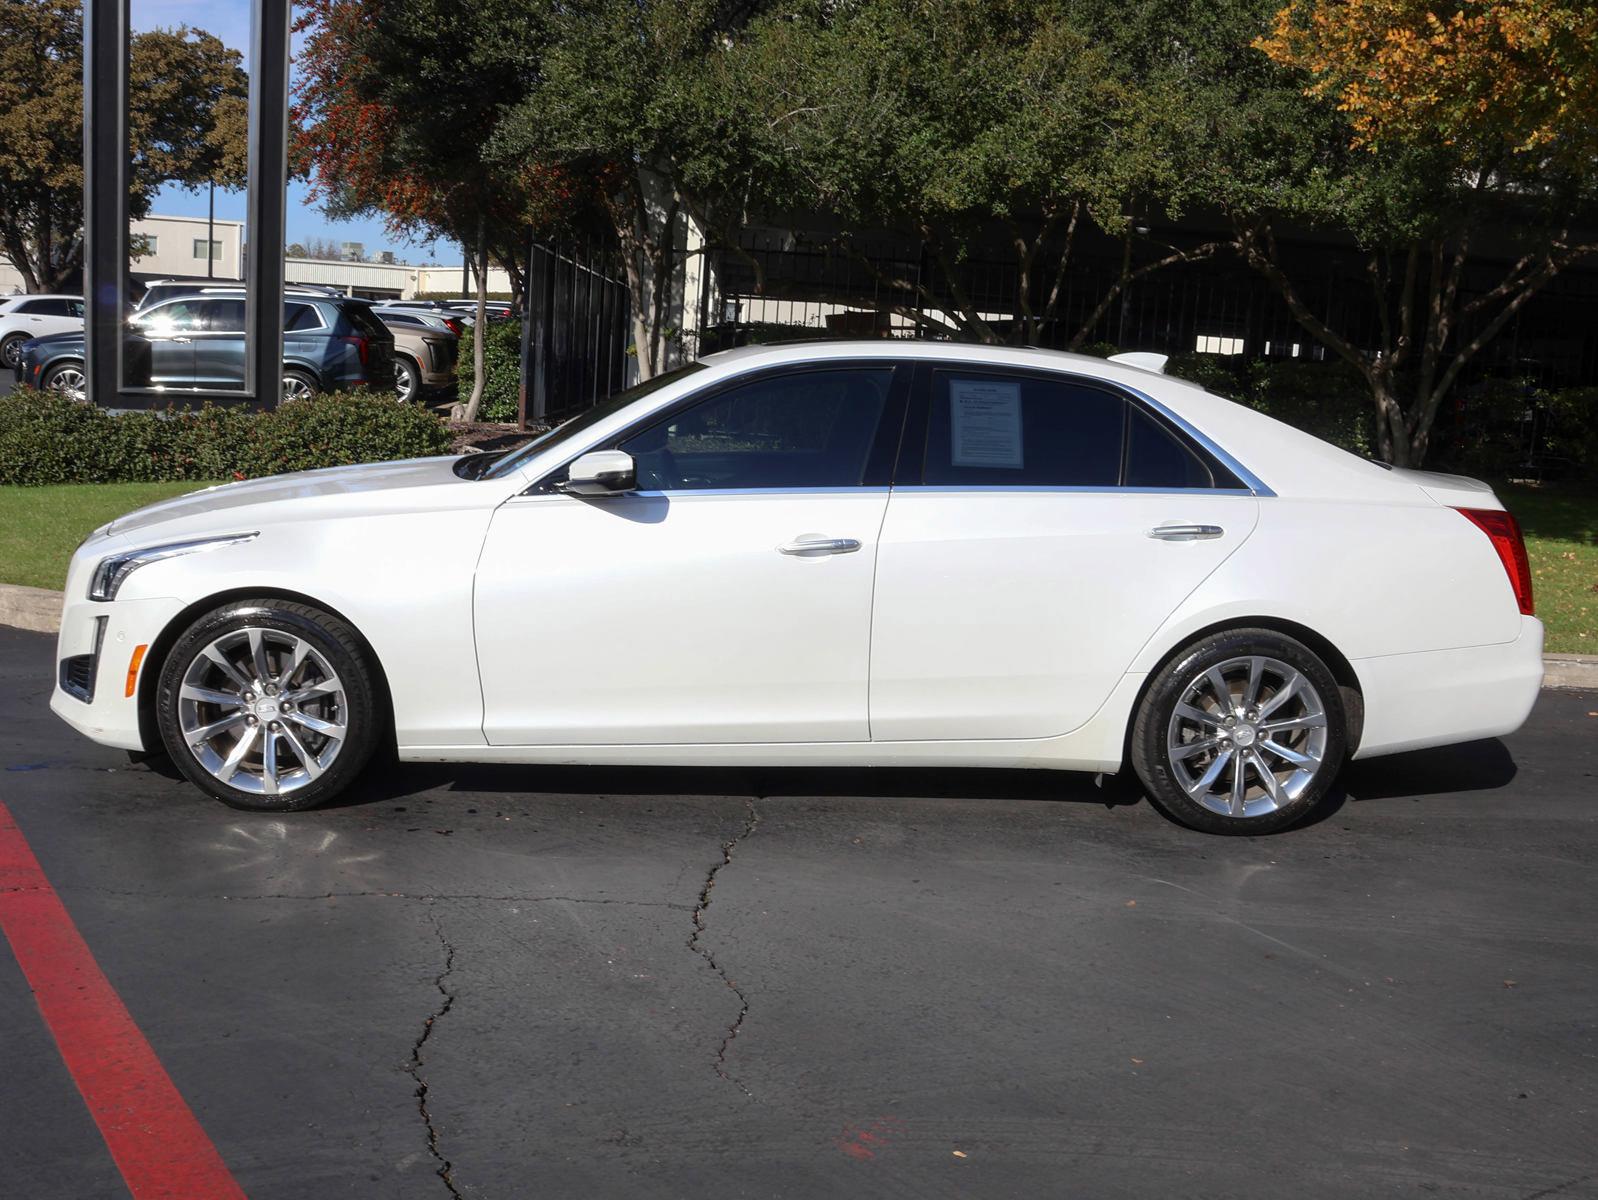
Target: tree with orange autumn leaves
<point>393,104</point>
<point>1454,124</point>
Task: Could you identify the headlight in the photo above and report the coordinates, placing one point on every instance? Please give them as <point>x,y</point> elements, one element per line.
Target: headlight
<point>111,572</point>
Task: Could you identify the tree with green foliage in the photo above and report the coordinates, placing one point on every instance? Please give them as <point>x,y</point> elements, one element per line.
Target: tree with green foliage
<point>629,97</point>
<point>1329,145</point>
<point>187,98</point>
<point>996,125</point>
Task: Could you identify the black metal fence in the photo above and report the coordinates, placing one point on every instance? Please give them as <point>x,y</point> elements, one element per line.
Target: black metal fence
<point>575,336</point>
<point>786,284</point>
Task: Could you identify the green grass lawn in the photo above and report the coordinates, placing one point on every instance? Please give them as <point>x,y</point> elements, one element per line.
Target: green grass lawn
<point>40,527</point>
<point>1561,528</point>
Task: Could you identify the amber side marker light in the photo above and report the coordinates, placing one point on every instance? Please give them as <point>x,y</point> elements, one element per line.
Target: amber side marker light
<point>134,664</point>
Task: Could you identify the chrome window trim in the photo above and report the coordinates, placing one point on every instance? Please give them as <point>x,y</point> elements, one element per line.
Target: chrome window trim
<point>1253,482</point>
<point>1104,489</point>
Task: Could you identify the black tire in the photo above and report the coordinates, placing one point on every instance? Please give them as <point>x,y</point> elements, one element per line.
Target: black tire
<point>11,350</point>
<point>299,385</point>
<point>407,380</point>
<point>361,711</point>
<point>1265,812</point>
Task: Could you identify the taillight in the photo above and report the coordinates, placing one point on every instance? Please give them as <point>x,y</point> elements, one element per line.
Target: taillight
<point>1503,531</point>
<point>360,346</point>
<point>453,326</point>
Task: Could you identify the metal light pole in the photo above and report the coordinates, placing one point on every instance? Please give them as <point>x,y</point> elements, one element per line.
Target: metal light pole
<point>210,234</point>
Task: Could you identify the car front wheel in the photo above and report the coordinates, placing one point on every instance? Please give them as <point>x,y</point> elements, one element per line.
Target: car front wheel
<point>1241,732</point>
<point>11,350</point>
<point>67,379</point>
<point>269,705</point>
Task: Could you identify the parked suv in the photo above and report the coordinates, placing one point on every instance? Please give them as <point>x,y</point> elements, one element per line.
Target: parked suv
<point>25,317</point>
<point>197,341</point>
<point>424,359</point>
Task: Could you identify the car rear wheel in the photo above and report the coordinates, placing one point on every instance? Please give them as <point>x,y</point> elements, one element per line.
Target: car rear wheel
<point>407,380</point>
<point>297,385</point>
<point>11,350</point>
<point>1242,732</point>
<point>68,379</point>
<point>269,705</point>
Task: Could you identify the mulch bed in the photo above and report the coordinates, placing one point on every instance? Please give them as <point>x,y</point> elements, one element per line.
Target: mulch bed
<point>489,435</point>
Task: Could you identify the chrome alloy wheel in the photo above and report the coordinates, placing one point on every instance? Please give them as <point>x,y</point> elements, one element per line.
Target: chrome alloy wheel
<point>263,711</point>
<point>296,388</point>
<point>70,382</point>
<point>1247,736</point>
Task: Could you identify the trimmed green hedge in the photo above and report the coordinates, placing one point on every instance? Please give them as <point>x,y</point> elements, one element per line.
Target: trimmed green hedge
<point>502,367</point>
<point>46,438</point>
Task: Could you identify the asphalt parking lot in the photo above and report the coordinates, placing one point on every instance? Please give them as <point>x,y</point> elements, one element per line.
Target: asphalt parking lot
<point>575,983</point>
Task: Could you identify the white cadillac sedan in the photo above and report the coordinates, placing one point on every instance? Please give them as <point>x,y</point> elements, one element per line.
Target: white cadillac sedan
<point>880,553</point>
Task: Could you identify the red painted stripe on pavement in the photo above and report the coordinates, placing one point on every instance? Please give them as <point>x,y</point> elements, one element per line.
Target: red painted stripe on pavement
<point>153,1137</point>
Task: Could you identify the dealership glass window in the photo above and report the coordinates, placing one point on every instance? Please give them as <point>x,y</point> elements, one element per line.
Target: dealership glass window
<point>793,430</point>
<point>199,248</point>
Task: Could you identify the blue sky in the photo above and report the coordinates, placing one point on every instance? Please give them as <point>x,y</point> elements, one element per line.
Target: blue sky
<point>230,21</point>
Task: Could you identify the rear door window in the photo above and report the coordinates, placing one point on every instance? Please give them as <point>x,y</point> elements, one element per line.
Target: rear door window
<point>998,429</point>
<point>222,316</point>
<point>1157,458</point>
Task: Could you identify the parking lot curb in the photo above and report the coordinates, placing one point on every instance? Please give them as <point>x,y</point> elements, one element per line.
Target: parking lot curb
<point>39,609</point>
<point>1578,671</point>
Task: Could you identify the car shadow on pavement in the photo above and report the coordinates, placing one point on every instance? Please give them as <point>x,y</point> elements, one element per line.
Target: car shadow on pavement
<point>1469,767</point>
<point>1483,765</point>
<point>396,781</point>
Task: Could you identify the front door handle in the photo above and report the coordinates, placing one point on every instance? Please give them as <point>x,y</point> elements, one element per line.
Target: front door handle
<point>1186,533</point>
<point>809,545</point>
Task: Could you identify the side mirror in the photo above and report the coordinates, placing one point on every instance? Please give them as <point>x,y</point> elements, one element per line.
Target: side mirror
<point>601,473</point>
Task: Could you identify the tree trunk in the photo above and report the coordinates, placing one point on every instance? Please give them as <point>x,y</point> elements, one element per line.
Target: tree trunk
<point>474,402</point>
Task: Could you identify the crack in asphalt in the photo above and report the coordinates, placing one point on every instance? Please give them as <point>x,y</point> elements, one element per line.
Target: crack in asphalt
<point>414,1068</point>
<point>694,944</point>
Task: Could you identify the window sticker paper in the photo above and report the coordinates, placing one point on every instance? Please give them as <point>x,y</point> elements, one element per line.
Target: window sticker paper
<point>985,423</point>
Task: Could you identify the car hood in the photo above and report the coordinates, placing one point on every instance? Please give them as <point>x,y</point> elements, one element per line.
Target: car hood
<point>279,496</point>
<point>52,339</point>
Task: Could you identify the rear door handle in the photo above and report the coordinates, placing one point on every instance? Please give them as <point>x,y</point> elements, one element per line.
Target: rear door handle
<point>811,546</point>
<point>1185,533</point>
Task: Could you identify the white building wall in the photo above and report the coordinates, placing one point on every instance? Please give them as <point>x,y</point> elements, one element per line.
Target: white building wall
<point>448,280</point>
<point>179,247</point>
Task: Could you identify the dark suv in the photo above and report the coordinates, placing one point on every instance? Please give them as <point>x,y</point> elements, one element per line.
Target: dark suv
<point>329,344</point>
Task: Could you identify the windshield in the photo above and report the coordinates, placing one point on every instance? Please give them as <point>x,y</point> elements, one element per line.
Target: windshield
<point>516,458</point>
